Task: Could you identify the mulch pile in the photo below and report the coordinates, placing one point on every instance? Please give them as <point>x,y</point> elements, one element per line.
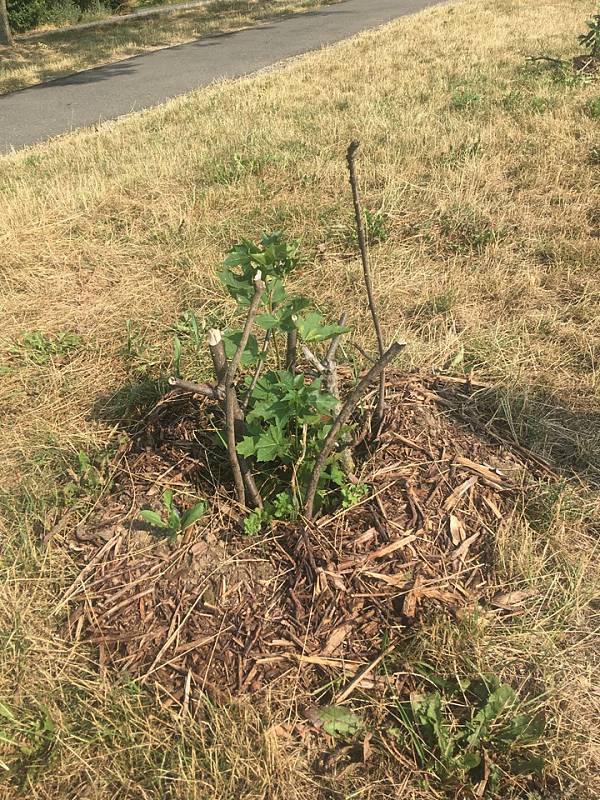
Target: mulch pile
<point>225,614</point>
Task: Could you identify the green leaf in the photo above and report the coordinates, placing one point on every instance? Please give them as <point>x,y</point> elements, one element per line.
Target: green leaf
<point>193,514</point>
<point>522,727</point>
<point>231,340</point>
<point>338,721</point>
<point>152,518</point>
<point>254,522</point>
<point>267,446</point>
<point>312,328</point>
<point>168,499</point>
<point>177,351</point>
<point>529,765</point>
<point>6,712</point>
<point>174,520</point>
<point>267,321</point>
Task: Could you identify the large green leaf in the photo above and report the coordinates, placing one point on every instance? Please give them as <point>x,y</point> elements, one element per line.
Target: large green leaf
<point>337,721</point>
<point>193,514</point>
<point>312,328</point>
<point>527,765</point>
<point>231,340</point>
<point>269,445</point>
<point>152,518</point>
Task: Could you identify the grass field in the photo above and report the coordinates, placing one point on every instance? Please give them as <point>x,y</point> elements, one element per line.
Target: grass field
<point>52,54</point>
<point>483,174</point>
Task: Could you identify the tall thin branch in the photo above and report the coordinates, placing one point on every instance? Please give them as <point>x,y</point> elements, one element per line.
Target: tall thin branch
<point>350,404</point>
<point>364,254</point>
<point>232,408</point>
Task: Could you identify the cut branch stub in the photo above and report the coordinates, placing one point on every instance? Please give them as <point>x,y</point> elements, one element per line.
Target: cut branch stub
<point>217,353</point>
<point>364,254</point>
<point>205,389</point>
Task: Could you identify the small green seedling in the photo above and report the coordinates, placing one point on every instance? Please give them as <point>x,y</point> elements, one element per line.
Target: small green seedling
<point>27,742</point>
<point>173,523</point>
<point>89,477</point>
<point>592,108</point>
<point>337,721</point>
<point>591,39</point>
<point>467,727</point>
<point>465,99</point>
<point>38,348</point>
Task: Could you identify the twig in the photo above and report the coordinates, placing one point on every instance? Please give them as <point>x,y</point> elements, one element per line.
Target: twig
<point>363,352</point>
<point>552,60</point>
<point>364,254</point>
<point>231,402</point>
<point>205,389</point>
<point>312,359</point>
<point>360,675</point>
<point>291,350</point>
<point>333,346</point>
<point>350,404</point>
<point>258,370</point>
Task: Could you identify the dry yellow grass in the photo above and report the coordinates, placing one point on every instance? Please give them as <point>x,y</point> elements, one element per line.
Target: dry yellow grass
<point>487,175</point>
<point>51,54</point>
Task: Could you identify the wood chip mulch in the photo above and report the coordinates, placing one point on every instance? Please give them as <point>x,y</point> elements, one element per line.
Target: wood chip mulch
<point>225,614</point>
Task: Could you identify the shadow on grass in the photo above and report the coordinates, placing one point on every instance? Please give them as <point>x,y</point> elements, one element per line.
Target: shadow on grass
<point>127,406</point>
<point>568,439</point>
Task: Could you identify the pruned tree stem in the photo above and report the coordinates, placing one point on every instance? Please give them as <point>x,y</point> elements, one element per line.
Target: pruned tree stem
<point>346,411</point>
<point>219,359</point>
<point>364,254</point>
<point>217,353</point>
<point>232,409</point>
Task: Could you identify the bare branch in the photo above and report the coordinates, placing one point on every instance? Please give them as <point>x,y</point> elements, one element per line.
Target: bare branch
<point>291,350</point>
<point>350,404</point>
<point>258,369</point>
<point>232,368</point>
<point>232,409</point>
<point>332,350</point>
<point>205,389</point>
<point>312,359</point>
<point>364,253</point>
<point>363,352</point>
<point>332,386</point>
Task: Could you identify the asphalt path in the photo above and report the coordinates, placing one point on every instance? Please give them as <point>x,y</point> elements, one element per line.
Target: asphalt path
<point>87,98</point>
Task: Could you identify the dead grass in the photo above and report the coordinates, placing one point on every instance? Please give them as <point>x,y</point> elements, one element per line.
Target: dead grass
<point>484,171</point>
<point>54,53</point>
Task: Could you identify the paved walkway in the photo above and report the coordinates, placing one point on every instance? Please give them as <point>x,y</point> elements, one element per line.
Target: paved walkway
<point>87,98</point>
